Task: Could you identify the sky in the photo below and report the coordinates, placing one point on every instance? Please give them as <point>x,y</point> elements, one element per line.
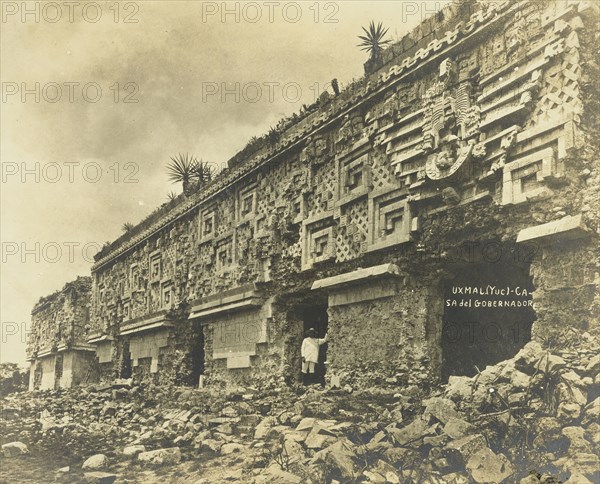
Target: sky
<point>97,96</point>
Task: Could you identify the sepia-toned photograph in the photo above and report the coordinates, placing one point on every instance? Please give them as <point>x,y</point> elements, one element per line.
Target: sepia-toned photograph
<point>300,242</point>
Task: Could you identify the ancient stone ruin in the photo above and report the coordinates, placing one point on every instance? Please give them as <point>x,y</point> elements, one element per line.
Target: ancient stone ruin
<point>438,219</point>
<point>56,347</point>
<point>432,217</point>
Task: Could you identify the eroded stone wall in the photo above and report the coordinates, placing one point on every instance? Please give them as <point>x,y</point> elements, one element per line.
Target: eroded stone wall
<point>59,329</point>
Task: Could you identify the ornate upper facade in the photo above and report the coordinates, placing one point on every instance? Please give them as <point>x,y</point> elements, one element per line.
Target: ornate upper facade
<point>60,321</point>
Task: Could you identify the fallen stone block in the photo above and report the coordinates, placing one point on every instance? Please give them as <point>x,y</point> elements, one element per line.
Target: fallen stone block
<point>293,450</point>
<point>580,463</point>
<point>528,356</point>
<point>374,477</point>
<point>459,388</point>
<point>263,428</point>
<point>414,431</point>
<point>211,444</point>
<point>593,367</point>
<point>519,380</point>
<point>569,411</point>
<point>573,394</point>
<point>577,478</point>
<point>550,363</point>
<point>486,466</point>
<point>340,456</point>
<point>14,449</point>
<point>457,428</point>
<point>98,477</point>
<point>317,439</point>
<point>387,471</point>
<point>297,436</point>
<point>170,455</point>
<point>577,441</point>
<point>530,479</point>
<point>436,440</point>
<point>398,455</point>
<point>274,474</point>
<point>592,413</point>
<point>441,408</point>
<point>231,448</point>
<point>95,462</point>
<point>306,424</point>
<point>133,450</point>
<point>592,433</point>
<point>467,446</point>
<point>455,478</point>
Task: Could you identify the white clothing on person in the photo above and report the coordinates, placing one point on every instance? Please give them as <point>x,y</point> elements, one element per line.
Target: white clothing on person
<point>310,353</point>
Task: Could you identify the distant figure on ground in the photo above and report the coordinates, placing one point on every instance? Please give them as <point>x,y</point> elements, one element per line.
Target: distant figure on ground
<point>310,355</point>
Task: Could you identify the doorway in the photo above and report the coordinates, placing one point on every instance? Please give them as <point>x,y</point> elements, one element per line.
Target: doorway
<point>197,354</point>
<point>58,370</point>
<point>125,371</point>
<point>488,314</point>
<point>306,313</point>
<point>315,317</point>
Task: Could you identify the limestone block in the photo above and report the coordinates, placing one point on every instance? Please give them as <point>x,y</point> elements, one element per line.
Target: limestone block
<point>170,455</point>
<point>14,449</point>
<point>98,477</point>
<point>98,461</point>
<point>486,466</point>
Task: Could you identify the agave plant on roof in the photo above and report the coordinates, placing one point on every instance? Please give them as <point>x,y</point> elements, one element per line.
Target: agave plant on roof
<point>188,170</point>
<point>372,41</point>
<point>127,227</point>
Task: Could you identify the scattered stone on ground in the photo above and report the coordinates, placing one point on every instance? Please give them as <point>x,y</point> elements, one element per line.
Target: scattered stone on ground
<point>530,419</point>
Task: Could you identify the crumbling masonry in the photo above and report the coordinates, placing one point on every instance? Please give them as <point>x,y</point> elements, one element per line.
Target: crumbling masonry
<point>57,349</point>
<point>432,217</point>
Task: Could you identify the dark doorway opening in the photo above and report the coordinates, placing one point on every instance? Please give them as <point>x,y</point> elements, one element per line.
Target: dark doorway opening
<point>125,370</point>
<point>310,312</point>
<point>197,354</point>
<point>488,314</point>
<point>316,317</point>
<point>58,370</point>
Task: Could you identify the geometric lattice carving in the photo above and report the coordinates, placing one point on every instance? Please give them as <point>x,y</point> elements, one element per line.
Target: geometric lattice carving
<point>318,243</point>
<point>246,203</point>
<point>351,239</point>
<point>390,220</point>
<point>207,224</point>
<point>523,178</point>
<point>560,88</point>
<point>354,178</point>
<point>155,266</point>
<point>224,254</point>
<point>320,199</point>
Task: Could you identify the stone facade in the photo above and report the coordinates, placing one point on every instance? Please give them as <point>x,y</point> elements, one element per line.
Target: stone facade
<point>465,158</point>
<point>56,347</point>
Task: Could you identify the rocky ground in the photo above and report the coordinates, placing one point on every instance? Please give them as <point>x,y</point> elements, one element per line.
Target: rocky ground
<point>531,419</point>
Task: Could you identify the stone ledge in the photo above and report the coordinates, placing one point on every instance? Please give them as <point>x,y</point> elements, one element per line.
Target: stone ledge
<point>234,299</point>
<point>356,276</point>
<point>99,338</point>
<point>567,228</point>
<point>153,321</point>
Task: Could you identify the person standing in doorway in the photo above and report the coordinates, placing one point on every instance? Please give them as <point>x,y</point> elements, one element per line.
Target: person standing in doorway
<point>310,355</point>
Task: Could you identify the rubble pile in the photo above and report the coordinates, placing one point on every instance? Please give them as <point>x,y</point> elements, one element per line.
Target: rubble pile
<point>530,419</point>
